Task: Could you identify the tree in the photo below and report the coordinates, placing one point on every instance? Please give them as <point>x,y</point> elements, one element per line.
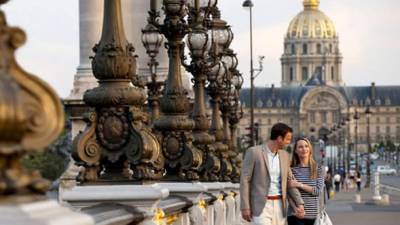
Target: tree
<point>390,149</point>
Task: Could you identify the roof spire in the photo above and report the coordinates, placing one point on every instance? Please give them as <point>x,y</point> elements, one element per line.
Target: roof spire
<point>311,4</point>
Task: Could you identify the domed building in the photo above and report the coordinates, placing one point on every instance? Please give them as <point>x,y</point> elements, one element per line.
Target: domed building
<point>311,48</point>
<point>312,98</point>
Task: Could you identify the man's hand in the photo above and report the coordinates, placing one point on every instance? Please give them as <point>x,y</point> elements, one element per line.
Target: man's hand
<point>246,214</point>
<point>299,211</point>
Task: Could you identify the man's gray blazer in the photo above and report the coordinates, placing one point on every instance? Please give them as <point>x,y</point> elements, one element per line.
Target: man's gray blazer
<point>255,180</point>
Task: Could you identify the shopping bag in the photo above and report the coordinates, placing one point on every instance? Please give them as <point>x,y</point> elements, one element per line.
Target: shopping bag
<point>323,219</point>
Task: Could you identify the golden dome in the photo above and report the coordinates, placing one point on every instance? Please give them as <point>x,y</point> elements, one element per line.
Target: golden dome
<point>311,23</point>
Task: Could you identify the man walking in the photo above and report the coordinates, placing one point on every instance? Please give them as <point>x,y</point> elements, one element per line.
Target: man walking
<point>264,180</point>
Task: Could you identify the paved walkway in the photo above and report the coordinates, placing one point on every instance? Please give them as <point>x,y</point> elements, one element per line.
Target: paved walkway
<point>344,211</point>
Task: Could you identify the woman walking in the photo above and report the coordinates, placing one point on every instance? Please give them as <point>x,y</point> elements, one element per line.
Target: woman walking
<point>309,179</point>
<point>358,181</point>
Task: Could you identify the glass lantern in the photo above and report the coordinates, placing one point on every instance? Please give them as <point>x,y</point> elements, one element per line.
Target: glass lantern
<point>198,42</point>
<point>152,40</point>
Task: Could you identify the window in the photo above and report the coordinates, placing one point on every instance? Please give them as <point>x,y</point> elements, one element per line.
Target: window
<point>387,130</point>
<point>323,117</point>
<point>387,119</point>
<point>312,117</point>
<point>291,74</point>
<point>305,49</point>
<point>293,49</point>
<point>335,117</point>
<point>378,129</point>
<point>332,73</point>
<point>318,70</point>
<point>269,121</point>
<point>319,49</point>
<point>304,73</point>
<point>330,48</point>
<point>378,120</point>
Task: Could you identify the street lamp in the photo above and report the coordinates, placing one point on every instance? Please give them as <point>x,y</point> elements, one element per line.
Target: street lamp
<point>348,119</point>
<point>333,150</point>
<point>339,146</point>
<point>152,41</point>
<point>356,117</point>
<point>368,115</point>
<point>249,4</point>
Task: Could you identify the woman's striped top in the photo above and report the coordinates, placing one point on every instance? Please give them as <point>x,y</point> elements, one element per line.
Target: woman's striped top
<point>311,200</point>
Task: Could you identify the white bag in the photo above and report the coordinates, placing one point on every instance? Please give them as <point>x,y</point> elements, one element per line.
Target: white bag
<point>323,219</point>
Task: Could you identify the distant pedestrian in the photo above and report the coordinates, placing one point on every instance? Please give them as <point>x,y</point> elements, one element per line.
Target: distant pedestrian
<point>342,178</point>
<point>336,180</point>
<point>358,181</point>
<point>328,182</point>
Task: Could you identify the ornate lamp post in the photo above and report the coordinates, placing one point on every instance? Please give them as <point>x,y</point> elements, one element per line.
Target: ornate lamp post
<point>222,37</point>
<point>183,159</point>
<point>115,137</point>
<point>339,144</point>
<point>230,61</point>
<point>249,4</point>
<point>344,137</point>
<point>199,43</point>
<point>152,40</point>
<point>335,152</point>
<point>236,109</point>
<point>330,137</point>
<point>368,115</point>
<point>235,115</point>
<point>356,117</point>
<point>348,155</point>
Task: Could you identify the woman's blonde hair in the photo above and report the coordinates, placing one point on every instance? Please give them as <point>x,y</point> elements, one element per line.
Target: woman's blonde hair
<point>312,164</point>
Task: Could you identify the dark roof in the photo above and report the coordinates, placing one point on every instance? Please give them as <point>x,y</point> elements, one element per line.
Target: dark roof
<point>291,96</point>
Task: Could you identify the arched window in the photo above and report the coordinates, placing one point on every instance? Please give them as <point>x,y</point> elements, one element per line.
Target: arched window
<point>304,73</point>
<point>293,49</point>
<point>291,74</point>
<point>323,117</point>
<point>332,73</point>
<point>305,49</point>
<point>312,117</point>
<point>319,49</point>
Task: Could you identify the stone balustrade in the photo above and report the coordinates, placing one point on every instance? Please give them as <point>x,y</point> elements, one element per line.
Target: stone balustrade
<point>164,203</point>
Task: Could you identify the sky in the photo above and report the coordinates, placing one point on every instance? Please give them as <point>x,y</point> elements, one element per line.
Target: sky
<point>369,34</point>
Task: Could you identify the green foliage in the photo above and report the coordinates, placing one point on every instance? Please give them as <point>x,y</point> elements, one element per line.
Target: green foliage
<point>49,164</point>
<point>390,146</point>
<point>381,144</point>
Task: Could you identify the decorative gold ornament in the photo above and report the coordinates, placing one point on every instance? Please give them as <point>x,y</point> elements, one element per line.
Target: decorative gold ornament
<point>311,4</point>
<point>31,116</point>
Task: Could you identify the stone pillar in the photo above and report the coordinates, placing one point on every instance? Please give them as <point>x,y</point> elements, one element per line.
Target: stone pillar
<point>377,196</point>
<point>90,23</point>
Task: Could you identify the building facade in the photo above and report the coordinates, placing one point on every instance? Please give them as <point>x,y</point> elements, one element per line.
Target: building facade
<point>313,98</point>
